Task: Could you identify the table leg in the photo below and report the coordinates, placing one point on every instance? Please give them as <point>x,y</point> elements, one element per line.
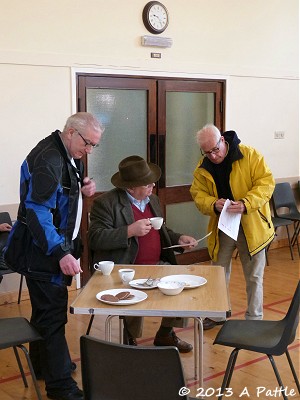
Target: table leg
<point>108,327</point>
<point>198,350</point>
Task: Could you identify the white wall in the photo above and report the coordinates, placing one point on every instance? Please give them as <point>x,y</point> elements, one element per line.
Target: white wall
<point>254,45</point>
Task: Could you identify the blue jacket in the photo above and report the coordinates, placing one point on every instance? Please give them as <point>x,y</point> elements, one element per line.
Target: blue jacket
<point>49,194</point>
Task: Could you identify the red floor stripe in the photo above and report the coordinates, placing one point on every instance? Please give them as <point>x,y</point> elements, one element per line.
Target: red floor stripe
<point>245,364</point>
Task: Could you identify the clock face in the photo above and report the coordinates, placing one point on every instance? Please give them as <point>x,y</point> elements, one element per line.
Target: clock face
<point>155,17</point>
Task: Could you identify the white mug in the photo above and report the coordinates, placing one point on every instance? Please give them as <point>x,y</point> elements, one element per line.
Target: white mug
<point>104,266</point>
<point>126,274</point>
<point>156,222</point>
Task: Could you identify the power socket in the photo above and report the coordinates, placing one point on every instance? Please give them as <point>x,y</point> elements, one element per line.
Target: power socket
<point>279,135</point>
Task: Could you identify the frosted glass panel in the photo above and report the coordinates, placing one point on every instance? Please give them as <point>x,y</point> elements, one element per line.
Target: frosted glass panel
<point>124,115</point>
<point>194,223</point>
<point>186,113</point>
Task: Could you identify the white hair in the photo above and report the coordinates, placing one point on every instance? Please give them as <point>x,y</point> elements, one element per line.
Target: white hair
<point>208,132</point>
<point>83,120</point>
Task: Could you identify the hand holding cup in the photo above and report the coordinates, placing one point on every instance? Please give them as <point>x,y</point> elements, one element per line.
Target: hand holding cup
<point>156,222</point>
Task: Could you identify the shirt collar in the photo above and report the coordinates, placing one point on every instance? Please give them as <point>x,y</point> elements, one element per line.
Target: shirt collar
<point>141,205</point>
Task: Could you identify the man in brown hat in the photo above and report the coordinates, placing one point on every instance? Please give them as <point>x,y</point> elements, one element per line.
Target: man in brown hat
<point>120,230</point>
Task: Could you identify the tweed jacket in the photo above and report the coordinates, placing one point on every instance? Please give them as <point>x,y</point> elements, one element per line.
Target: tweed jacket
<point>111,213</point>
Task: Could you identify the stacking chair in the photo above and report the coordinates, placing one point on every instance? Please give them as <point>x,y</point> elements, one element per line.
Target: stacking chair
<point>283,197</point>
<point>113,371</point>
<point>14,332</point>
<point>5,218</point>
<point>277,222</point>
<point>268,337</point>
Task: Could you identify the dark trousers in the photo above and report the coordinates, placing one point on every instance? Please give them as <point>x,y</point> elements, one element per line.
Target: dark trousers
<point>50,356</point>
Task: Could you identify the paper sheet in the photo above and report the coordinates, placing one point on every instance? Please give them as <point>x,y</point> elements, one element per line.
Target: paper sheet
<point>188,244</point>
<point>229,223</point>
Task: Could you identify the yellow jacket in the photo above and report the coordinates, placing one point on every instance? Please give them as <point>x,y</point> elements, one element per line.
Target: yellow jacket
<point>250,181</point>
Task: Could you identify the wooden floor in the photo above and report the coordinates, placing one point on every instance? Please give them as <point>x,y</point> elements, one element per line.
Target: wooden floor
<point>252,370</point>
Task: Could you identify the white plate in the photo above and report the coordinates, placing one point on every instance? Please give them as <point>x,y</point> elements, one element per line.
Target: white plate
<point>191,281</point>
<point>138,296</point>
<point>135,284</point>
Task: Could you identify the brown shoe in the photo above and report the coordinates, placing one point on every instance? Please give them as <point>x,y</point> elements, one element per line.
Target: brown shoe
<point>209,323</point>
<point>173,340</point>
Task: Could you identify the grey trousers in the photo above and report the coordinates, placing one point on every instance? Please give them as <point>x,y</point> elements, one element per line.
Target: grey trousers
<point>253,269</point>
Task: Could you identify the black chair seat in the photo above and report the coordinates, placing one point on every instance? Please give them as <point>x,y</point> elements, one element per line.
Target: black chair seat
<point>244,334</point>
<point>268,337</point>
<point>277,222</point>
<point>15,332</point>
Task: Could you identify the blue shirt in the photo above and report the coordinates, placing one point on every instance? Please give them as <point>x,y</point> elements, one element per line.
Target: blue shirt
<point>141,205</point>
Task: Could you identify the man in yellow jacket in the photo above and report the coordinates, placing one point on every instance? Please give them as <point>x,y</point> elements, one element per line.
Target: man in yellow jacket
<point>230,170</point>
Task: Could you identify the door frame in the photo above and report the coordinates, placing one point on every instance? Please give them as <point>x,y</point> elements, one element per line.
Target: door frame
<point>167,195</point>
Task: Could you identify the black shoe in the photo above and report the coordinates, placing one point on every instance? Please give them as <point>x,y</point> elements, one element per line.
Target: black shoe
<point>209,323</point>
<point>73,366</point>
<point>173,340</point>
<point>74,394</point>
<point>128,339</point>
<point>39,376</point>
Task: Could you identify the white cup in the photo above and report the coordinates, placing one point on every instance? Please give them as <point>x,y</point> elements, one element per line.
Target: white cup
<point>104,266</point>
<point>126,274</point>
<point>156,222</point>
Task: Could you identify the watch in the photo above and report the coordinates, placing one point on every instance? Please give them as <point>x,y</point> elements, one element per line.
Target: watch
<point>155,17</point>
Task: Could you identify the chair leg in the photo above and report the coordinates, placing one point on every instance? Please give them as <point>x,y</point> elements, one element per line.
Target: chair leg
<point>20,289</point>
<point>277,376</point>
<point>290,243</point>
<point>36,386</point>
<point>229,371</point>
<point>20,366</point>
<point>293,370</point>
<point>90,324</point>
<point>266,251</point>
<point>296,234</point>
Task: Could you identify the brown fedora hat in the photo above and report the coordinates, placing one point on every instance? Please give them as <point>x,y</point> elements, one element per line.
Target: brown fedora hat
<point>135,171</point>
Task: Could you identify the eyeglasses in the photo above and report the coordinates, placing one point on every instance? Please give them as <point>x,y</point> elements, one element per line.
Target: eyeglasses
<point>85,141</point>
<point>214,150</point>
<point>149,185</point>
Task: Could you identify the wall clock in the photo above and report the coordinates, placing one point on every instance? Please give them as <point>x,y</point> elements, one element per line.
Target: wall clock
<point>155,17</point>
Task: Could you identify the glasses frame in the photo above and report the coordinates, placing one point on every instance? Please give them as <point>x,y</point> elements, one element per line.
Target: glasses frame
<point>85,141</point>
<point>214,150</point>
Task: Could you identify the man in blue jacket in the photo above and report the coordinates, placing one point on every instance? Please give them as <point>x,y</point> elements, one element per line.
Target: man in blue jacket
<point>51,190</point>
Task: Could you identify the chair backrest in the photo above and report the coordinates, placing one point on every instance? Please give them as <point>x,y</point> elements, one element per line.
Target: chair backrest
<point>4,218</point>
<point>290,322</point>
<point>113,371</point>
<point>283,196</point>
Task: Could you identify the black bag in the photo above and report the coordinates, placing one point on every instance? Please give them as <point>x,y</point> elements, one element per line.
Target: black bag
<point>16,250</point>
